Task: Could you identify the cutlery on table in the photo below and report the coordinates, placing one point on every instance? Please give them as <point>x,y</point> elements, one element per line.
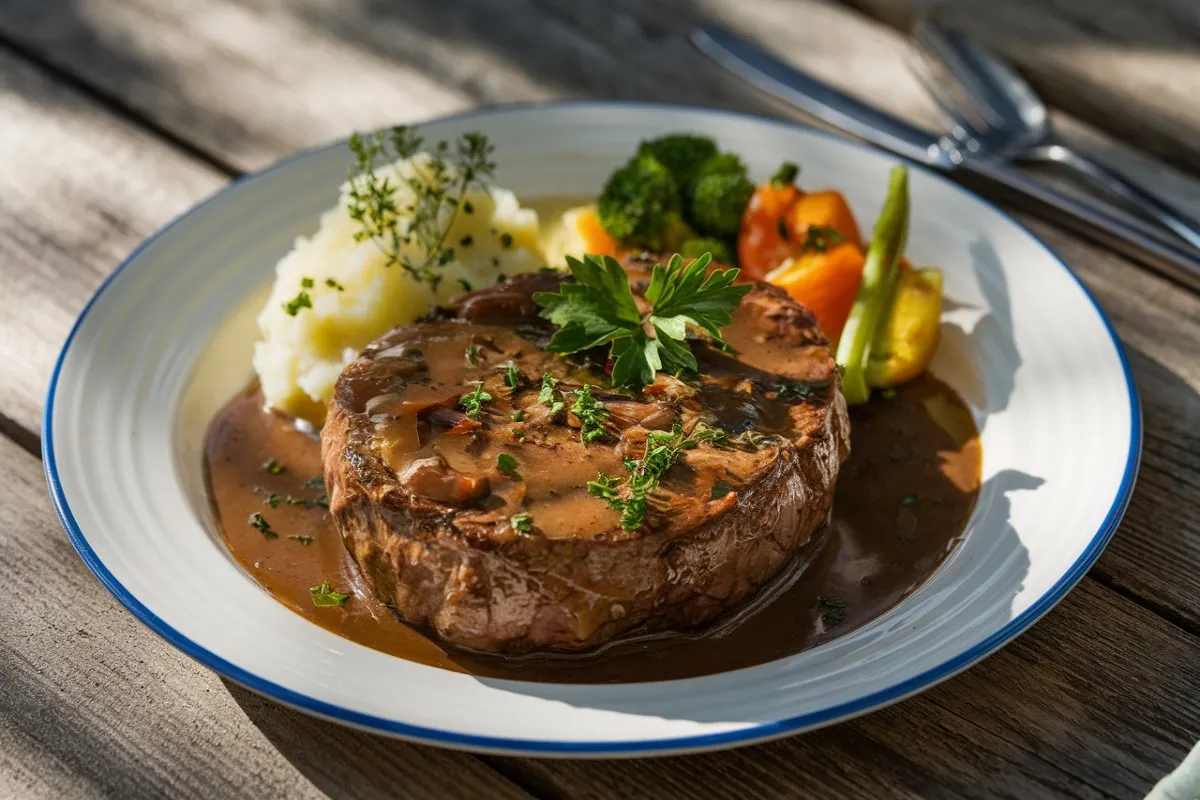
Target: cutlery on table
<point>991,108</point>
<point>1100,222</point>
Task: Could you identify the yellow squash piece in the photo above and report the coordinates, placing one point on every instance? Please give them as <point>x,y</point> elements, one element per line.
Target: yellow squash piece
<point>904,345</point>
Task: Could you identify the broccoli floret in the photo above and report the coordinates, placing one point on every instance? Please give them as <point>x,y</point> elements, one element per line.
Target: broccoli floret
<point>717,201</point>
<point>638,201</point>
<point>722,164</point>
<point>694,248</point>
<point>681,153</point>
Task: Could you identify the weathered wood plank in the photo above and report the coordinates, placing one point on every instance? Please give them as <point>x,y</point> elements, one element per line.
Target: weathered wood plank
<point>1127,68</point>
<point>92,703</point>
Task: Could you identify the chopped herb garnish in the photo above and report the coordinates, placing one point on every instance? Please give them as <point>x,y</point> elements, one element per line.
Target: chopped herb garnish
<point>832,610</point>
<point>308,502</point>
<point>720,489</point>
<point>293,306</point>
<point>591,414</point>
<point>820,238</point>
<point>473,401</point>
<point>522,522</point>
<point>549,395</point>
<point>306,283</point>
<point>663,449</point>
<point>303,541</point>
<point>908,500</point>
<point>598,308</point>
<point>500,277</point>
<point>448,175</point>
<point>315,482</point>
<point>324,596</point>
<point>465,284</point>
<point>468,208</point>
<point>506,465</point>
<point>518,416</point>
<point>786,174</point>
<point>801,389</point>
<point>259,523</point>
<point>506,240</point>
<point>273,467</point>
<point>513,377</point>
<point>466,241</point>
<point>472,354</point>
<point>332,284</point>
<point>272,500</point>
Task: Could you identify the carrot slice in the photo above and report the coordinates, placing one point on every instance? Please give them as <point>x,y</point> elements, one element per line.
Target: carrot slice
<point>826,282</point>
<point>595,238</point>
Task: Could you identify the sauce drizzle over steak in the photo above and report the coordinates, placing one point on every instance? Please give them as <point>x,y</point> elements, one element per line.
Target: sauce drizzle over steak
<point>427,515</point>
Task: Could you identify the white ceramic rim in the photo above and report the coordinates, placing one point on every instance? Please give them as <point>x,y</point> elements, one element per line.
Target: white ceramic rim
<point>758,732</point>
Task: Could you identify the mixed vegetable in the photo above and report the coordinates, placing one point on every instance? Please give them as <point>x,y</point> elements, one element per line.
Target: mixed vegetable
<point>679,193</point>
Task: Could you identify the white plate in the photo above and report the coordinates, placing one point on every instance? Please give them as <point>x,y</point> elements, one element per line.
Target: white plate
<point>166,341</point>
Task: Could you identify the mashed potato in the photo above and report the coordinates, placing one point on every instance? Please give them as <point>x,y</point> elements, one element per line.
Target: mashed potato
<point>356,298</point>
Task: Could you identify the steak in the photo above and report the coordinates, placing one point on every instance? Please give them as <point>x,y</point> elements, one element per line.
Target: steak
<point>518,559</point>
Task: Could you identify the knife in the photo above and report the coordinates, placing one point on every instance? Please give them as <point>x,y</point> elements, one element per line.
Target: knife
<point>1101,223</point>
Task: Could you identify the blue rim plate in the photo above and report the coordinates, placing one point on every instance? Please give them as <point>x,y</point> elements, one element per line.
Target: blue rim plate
<point>165,340</point>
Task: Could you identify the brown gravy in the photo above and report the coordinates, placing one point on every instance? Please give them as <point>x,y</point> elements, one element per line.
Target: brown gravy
<point>902,502</point>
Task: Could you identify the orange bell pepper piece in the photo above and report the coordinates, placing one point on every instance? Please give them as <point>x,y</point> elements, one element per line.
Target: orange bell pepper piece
<point>764,240</point>
<point>827,209</point>
<point>826,282</point>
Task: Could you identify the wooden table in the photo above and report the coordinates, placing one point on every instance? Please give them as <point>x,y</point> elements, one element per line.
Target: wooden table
<point>116,115</point>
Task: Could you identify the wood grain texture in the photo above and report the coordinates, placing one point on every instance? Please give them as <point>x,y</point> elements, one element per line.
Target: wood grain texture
<point>1129,68</point>
<point>93,704</point>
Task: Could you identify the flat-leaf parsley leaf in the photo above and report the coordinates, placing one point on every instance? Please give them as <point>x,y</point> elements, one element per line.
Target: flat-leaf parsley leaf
<point>598,308</point>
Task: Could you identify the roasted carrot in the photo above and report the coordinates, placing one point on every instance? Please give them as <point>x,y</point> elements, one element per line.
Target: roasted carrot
<point>826,282</point>
<point>595,238</point>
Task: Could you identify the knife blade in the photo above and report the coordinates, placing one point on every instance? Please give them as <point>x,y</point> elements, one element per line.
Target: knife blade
<point>1099,222</point>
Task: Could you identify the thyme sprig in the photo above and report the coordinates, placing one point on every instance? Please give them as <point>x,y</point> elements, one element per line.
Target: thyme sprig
<point>450,173</point>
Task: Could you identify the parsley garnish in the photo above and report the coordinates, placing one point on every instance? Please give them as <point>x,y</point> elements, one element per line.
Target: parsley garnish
<point>332,284</point>
<point>324,596</point>
<point>663,449</point>
<point>522,522</point>
<point>801,389</point>
<point>303,541</point>
<point>518,416</point>
<point>506,465</point>
<point>424,225</point>
<point>820,238</point>
<point>832,611</point>
<point>472,354</point>
<point>591,414</point>
<point>549,396</point>
<point>473,401</point>
<point>598,308</point>
<point>315,482</point>
<point>273,467</point>
<point>513,377</point>
<point>719,490</point>
<point>259,523</point>
<point>465,284</point>
<point>293,306</point>
<point>272,500</point>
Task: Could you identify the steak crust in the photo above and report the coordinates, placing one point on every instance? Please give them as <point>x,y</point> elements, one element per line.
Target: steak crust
<point>428,516</point>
